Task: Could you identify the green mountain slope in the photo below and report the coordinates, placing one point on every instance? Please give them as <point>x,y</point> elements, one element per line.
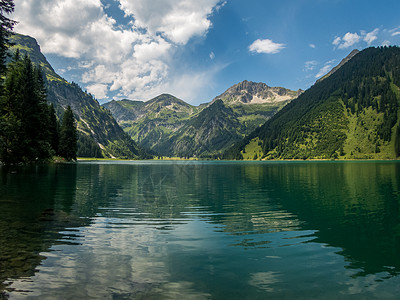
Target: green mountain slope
<point>352,114</point>
<point>153,122</point>
<point>214,129</point>
<point>171,127</point>
<point>99,133</point>
<point>344,60</point>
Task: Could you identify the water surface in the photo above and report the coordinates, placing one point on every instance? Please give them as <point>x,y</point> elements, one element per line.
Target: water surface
<point>201,230</point>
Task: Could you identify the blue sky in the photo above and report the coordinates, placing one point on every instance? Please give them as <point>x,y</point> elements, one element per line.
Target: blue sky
<point>195,50</point>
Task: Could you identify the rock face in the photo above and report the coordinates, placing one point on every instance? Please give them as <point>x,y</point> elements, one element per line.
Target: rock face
<point>248,92</point>
<point>96,125</point>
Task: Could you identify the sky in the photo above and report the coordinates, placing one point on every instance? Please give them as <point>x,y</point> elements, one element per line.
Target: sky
<point>196,49</point>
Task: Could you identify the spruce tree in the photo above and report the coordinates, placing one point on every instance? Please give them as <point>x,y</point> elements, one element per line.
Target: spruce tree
<point>397,142</point>
<point>12,136</point>
<point>9,125</point>
<point>53,129</point>
<point>68,136</point>
<point>6,26</point>
<point>24,114</point>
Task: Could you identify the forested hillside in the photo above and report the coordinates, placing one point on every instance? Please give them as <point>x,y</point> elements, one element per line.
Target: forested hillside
<point>352,114</point>
<point>99,135</point>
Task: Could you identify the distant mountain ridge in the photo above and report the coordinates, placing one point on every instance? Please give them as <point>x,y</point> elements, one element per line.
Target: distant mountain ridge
<point>352,114</point>
<point>172,127</point>
<point>247,92</point>
<point>98,131</point>
<point>151,122</point>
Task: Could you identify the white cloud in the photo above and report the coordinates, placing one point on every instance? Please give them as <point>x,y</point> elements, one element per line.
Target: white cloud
<point>266,46</point>
<point>351,39</point>
<point>186,85</point>
<point>395,31</point>
<point>133,60</point>
<point>324,70</point>
<point>98,90</point>
<point>178,20</point>
<point>310,65</point>
<point>371,36</point>
<point>149,51</point>
<point>312,46</point>
<point>337,41</point>
<point>212,55</point>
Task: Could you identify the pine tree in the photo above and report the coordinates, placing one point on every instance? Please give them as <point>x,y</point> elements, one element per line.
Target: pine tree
<point>68,136</point>
<point>54,129</point>
<point>6,26</point>
<point>9,125</point>
<point>24,136</point>
<point>397,141</point>
<point>12,137</point>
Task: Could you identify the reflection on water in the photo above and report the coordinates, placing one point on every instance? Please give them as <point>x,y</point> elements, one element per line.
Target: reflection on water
<point>124,230</point>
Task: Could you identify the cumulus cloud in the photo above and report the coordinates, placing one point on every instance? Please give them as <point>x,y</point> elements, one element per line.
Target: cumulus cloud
<point>130,60</point>
<point>312,46</point>
<point>266,46</point>
<point>371,36</point>
<point>337,41</point>
<point>350,39</point>
<point>98,89</point>
<point>177,20</point>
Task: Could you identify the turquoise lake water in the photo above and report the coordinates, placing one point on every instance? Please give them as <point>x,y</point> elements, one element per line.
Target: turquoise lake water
<point>200,230</point>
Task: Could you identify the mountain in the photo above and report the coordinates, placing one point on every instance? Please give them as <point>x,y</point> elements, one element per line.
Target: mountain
<point>214,129</point>
<point>172,127</point>
<point>151,123</point>
<point>99,133</point>
<point>247,92</point>
<point>344,60</point>
<point>351,114</point>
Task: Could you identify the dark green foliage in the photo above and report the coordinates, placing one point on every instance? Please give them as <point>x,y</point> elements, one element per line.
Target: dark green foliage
<point>68,136</point>
<point>54,130</point>
<point>397,142</point>
<point>6,26</point>
<point>25,117</point>
<point>92,120</point>
<point>315,124</point>
<point>87,147</point>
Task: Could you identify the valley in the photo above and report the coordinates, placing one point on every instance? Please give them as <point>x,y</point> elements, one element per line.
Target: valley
<point>350,113</point>
<point>171,127</point>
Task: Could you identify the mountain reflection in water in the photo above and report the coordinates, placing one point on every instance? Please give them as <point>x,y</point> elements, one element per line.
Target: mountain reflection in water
<point>201,230</point>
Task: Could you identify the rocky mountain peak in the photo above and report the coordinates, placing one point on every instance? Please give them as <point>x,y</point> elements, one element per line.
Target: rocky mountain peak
<point>248,92</point>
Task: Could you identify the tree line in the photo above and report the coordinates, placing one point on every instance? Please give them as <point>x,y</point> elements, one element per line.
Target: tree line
<point>29,128</point>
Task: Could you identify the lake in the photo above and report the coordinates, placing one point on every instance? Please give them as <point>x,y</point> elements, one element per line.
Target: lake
<point>200,230</point>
